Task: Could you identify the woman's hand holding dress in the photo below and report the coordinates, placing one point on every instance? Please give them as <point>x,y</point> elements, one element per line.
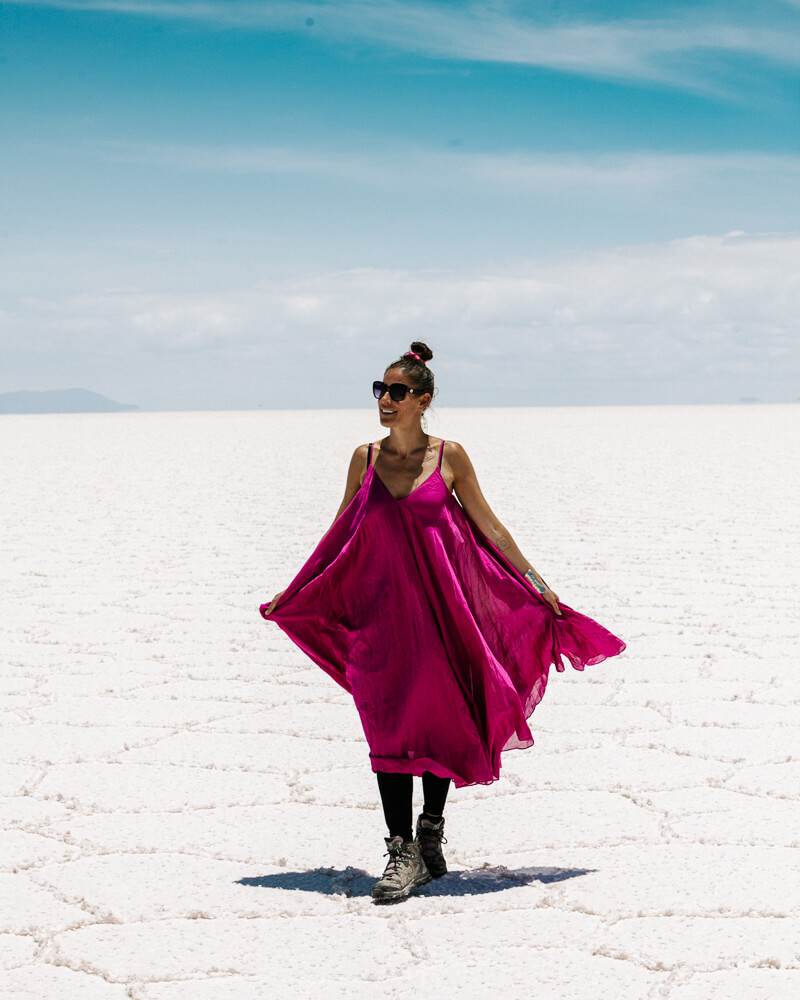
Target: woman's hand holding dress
<point>552,600</point>
<point>266,610</point>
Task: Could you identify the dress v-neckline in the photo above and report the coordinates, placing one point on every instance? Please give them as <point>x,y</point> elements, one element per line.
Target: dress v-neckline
<point>419,486</point>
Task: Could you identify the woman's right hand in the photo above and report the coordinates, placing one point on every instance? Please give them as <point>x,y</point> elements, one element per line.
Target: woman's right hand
<point>552,600</point>
<point>267,609</point>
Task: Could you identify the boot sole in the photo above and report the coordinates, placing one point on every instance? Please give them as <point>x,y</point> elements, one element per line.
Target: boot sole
<point>390,897</point>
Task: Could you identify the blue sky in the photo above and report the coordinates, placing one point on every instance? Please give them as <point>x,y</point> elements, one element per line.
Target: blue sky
<point>242,203</point>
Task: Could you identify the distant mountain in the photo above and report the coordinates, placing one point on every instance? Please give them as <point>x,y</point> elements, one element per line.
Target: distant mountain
<point>60,401</point>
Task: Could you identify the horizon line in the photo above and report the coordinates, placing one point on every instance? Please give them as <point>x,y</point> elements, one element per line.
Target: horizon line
<point>139,411</point>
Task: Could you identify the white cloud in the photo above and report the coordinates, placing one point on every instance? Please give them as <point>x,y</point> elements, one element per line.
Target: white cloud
<point>706,309</point>
<point>675,50</point>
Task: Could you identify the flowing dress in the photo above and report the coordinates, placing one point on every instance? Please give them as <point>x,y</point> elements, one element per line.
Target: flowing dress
<point>442,643</point>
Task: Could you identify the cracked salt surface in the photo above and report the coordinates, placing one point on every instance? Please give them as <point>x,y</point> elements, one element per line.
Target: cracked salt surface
<point>186,806</point>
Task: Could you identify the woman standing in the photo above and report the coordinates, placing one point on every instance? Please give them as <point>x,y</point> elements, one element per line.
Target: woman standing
<point>424,609</point>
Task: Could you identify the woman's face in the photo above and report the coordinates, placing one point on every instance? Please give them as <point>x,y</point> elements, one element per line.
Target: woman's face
<point>407,410</point>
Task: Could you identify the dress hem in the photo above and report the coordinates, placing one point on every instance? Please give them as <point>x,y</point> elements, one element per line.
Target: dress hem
<point>418,765</point>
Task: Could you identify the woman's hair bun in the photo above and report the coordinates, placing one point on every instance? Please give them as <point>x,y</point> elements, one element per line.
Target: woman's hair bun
<point>414,364</point>
<point>422,350</point>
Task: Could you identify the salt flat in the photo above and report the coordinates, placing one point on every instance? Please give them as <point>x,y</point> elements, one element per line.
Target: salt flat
<point>186,806</point>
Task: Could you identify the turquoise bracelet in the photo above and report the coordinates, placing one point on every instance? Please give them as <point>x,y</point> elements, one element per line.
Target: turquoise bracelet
<point>536,585</point>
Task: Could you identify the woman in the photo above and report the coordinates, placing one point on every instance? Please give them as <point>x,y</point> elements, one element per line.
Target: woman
<point>422,606</point>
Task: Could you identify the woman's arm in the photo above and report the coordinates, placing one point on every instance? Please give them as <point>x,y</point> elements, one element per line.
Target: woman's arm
<point>355,475</point>
<point>465,484</point>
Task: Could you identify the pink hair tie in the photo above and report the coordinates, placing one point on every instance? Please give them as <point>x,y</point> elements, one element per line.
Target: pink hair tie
<point>413,355</point>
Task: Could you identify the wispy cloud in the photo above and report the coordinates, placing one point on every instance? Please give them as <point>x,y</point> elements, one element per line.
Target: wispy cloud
<point>243,158</point>
<point>679,50</point>
<point>417,165</point>
<point>625,172</point>
<point>695,184</point>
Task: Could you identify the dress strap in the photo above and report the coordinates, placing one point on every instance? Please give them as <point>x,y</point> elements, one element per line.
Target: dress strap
<point>369,455</point>
<point>441,452</point>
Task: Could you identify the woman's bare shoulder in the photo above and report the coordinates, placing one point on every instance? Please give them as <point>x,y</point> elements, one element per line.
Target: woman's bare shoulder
<point>454,453</point>
<point>359,457</point>
<point>456,463</point>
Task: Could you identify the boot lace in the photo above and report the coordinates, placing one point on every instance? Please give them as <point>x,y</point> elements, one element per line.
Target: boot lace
<point>397,855</point>
<point>430,840</point>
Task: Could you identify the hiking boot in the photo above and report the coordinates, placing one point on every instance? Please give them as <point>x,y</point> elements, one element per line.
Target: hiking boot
<point>404,871</point>
<point>430,837</point>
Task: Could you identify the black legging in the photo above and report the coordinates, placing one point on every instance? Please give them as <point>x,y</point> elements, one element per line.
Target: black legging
<point>397,794</point>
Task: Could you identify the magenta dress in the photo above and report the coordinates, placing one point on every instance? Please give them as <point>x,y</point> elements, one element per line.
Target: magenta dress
<point>443,645</point>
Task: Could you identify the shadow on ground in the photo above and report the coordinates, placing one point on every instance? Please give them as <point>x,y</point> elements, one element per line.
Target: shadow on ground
<point>357,882</point>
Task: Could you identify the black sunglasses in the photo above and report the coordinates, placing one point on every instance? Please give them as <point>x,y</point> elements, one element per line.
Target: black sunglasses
<point>397,391</point>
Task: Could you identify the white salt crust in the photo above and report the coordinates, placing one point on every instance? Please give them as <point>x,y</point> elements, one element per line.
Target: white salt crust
<point>186,806</point>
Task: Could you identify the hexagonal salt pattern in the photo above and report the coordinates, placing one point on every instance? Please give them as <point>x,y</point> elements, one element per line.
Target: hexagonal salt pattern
<point>187,810</point>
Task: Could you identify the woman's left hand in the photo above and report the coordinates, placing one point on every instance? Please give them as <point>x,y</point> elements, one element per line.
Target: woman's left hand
<point>267,609</point>
<point>552,600</point>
